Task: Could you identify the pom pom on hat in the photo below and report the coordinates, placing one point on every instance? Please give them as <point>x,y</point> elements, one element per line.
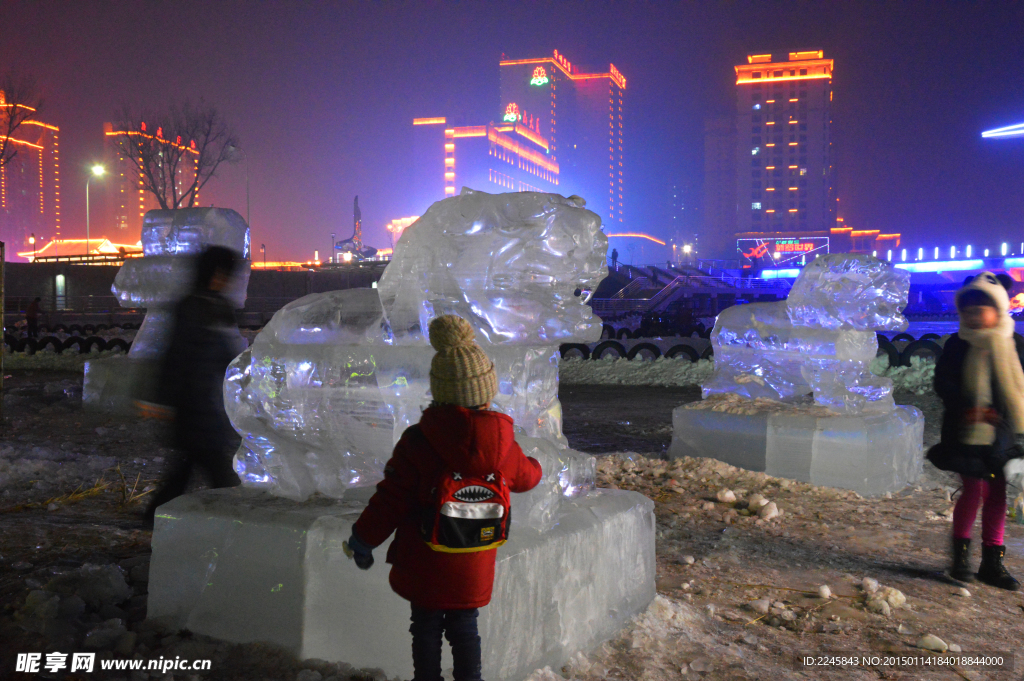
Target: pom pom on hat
<point>460,372</point>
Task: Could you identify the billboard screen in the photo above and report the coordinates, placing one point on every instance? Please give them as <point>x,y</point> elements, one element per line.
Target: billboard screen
<point>761,253</point>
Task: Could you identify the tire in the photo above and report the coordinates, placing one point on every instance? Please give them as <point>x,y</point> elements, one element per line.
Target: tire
<point>118,343</point>
<point>709,352</point>
<point>60,328</point>
<point>94,341</point>
<point>102,327</point>
<point>75,328</point>
<point>641,347</point>
<point>11,342</point>
<point>75,342</point>
<point>888,350</point>
<point>52,341</point>
<point>614,346</point>
<point>623,334</point>
<point>607,331</point>
<point>682,351</point>
<point>27,345</point>
<point>931,337</point>
<point>88,328</point>
<point>564,349</point>
<point>902,337</point>
<point>920,347</point>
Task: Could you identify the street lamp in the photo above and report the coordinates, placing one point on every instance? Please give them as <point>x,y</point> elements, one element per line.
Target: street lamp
<point>32,243</point>
<point>97,171</point>
<point>331,258</point>
<point>263,250</point>
<point>233,149</point>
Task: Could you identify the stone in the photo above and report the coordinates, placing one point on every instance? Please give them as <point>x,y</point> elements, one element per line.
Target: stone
<point>726,496</point>
<point>932,642</point>
<point>869,585</point>
<point>41,604</point>
<point>105,635</point>
<point>689,560</point>
<point>768,512</point>
<point>894,597</point>
<point>95,584</point>
<point>824,592</point>
<point>880,606</point>
<point>963,592</point>
<point>760,606</point>
<point>702,665</point>
<point>955,648</point>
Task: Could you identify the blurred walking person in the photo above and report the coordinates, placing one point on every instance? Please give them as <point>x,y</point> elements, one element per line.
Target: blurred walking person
<point>204,340</point>
<point>32,317</point>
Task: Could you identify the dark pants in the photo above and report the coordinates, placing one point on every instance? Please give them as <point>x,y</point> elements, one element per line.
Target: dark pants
<point>33,327</point>
<point>216,463</point>
<point>459,627</point>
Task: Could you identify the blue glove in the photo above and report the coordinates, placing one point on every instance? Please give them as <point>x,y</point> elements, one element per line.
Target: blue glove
<point>359,552</point>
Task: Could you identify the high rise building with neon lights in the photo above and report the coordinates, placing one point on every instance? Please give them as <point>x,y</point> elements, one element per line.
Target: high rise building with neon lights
<point>580,111</point>
<point>30,185</point>
<point>785,176</point>
<point>559,129</point>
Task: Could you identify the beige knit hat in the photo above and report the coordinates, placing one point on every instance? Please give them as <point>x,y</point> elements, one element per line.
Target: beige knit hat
<point>460,372</point>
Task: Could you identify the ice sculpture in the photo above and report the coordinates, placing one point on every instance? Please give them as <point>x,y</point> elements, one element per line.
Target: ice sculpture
<point>334,379</point>
<point>821,339</point>
<point>769,356</point>
<point>163,276</point>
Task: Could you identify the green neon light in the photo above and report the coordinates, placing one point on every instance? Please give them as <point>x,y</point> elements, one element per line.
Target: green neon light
<point>539,80</point>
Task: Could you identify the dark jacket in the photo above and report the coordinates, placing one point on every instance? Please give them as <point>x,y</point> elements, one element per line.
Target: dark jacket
<point>951,454</point>
<point>203,342</point>
<point>447,438</point>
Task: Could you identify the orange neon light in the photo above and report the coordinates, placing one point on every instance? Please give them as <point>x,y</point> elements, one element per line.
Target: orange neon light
<point>440,120</point>
<point>792,210</point>
<point>471,131</point>
<point>759,58</point>
<point>809,76</point>
<point>888,236</point>
<point>566,67</point>
<point>41,125</point>
<point>103,246</point>
<point>532,136</point>
<point>523,151</point>
<point>131,133</point>
<point>809,54</point>
<point>27,144</point>
<point>639,236</point>
<point>860,232</point>
<point>840,230</point>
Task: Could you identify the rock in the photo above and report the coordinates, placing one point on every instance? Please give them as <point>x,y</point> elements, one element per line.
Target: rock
<point>41,604</point>
<point>95,584</point>
<point>824,591</point>
<point>880,606</point>
<point>932,642</point>
<point>140,573</point>
<point>101,431</point>
<point>21,566</point>
<point>105,635</point>
<point>726,496</point>
<point>962,592</point>
<point>905,630</point>
<point>756,501</point>
<point>768,511</point>
<point>760,606</point>
<point>955,648</point>
<point>869,585</point>
<point>702,665</point>
<point>707,506</point>
<point>52,506</point>
<point>689,560</point>
<point>71,608</point>
<point>309,675</point>
<point>126,644</point>
<point>894,597</point>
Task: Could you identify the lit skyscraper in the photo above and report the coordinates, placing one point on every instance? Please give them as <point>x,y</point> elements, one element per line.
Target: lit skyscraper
<point>30,184</point>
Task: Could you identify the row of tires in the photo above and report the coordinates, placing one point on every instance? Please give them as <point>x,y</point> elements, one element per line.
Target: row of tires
<point>54,344</point>
<point>85,329</point>
<point>609,332</point>
<point>924,347</point>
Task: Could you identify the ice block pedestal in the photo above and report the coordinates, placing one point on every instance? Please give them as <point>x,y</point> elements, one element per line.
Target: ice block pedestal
<point>242,565</point>
<point>870,453</point>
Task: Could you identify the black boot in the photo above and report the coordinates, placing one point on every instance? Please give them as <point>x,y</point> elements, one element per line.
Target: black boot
<point>961,570</point>
<point>992,571</point>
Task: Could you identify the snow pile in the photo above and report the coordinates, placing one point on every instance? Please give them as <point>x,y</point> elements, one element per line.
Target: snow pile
<point>918,378</point>
<point>676,372</point>
<point>46,472</point>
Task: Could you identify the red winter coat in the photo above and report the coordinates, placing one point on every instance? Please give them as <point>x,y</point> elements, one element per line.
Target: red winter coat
<point>447,438</point>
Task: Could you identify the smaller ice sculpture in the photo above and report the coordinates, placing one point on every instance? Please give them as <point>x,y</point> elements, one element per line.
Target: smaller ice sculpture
<point>165,272</point>
<point>821,339</point>
<point>335,378</point>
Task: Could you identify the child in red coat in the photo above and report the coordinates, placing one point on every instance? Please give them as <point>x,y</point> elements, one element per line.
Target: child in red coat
<point>456,435</point>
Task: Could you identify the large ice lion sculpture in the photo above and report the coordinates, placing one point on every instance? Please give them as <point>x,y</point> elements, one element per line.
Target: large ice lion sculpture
<point>334,379</point>
<point>821,339</point>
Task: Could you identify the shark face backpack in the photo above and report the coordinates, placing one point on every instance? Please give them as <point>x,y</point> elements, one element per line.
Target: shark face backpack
<point>468,513</point>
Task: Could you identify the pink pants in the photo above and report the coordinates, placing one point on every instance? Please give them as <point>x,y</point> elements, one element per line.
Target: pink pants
<point>990,494</point>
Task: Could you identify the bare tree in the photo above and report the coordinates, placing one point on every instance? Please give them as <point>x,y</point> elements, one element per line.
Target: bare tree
<point>176,151</point>
<point>19,102</point>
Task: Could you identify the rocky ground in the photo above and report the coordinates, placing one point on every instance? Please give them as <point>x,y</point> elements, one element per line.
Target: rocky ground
<point>752,570</point>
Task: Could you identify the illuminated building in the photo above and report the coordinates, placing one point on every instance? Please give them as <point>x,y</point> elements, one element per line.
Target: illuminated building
<point>576,110</point>
<point>30,184</point>
<point>131,200</point>
<point>397,226</point>
<point>549,135</point>
<point>795,248</point>
<point>784,145</point>
<point>76,247</point>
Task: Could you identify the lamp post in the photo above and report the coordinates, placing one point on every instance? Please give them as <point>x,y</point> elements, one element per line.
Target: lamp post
<point>32,243</point>
<point>263,250</point>
<point>97,171</point>
<point>235,149</point>
<point>331,259</point>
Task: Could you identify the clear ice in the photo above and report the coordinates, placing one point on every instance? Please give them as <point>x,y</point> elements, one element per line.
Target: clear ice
<point>820,340</point>
<point>331,383</point>
<point>170,240</point>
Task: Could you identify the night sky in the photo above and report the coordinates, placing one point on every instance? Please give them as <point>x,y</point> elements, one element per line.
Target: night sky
<point>322,97</point>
